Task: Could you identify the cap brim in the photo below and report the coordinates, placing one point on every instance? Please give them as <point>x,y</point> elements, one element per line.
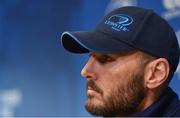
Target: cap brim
<point>91,41</point>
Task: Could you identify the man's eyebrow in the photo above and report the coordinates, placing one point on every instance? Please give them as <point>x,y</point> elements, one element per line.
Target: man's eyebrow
<point>102,55</point>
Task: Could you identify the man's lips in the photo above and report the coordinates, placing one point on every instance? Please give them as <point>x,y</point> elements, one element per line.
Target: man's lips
<point>91,91</point>
<point>89,88</point>
<point>92,88</point>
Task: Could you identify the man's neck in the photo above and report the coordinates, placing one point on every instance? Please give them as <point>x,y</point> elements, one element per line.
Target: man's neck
<point>149,99</point>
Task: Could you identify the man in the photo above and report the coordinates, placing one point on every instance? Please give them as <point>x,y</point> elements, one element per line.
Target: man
<point>133,56</point>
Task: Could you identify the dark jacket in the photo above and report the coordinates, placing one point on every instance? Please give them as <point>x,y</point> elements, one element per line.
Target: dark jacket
<point>168,105</point>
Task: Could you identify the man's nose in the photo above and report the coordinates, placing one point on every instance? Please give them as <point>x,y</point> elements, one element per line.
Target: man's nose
<point>88,71</point>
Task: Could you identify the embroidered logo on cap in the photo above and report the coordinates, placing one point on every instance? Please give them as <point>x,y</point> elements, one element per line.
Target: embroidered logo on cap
<point>119,22</point>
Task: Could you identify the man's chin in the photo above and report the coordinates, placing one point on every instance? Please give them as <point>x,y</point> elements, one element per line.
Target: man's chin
<point>93,102</point>
<point>94,106</point>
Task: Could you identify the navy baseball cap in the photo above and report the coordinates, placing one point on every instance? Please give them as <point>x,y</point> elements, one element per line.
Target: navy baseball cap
<point>126,29</point>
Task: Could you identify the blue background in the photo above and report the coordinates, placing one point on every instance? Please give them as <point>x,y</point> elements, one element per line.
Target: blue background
<point>37,76</point>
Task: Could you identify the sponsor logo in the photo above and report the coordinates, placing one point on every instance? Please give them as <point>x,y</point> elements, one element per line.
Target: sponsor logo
<point>119,22</point>
<point>173,9</point>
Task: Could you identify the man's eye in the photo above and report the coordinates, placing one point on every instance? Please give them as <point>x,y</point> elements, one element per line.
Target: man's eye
<point>105,60</point>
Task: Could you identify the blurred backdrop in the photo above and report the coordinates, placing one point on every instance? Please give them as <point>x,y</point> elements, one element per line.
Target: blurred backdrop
<point>37,76</point>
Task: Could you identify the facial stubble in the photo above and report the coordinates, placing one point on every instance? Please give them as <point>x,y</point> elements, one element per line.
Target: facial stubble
<point>122,100</point>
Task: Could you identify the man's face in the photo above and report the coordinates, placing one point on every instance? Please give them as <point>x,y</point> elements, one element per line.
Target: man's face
<point>115,84</point>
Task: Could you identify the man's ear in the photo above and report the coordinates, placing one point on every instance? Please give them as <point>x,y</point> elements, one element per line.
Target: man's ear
<point>156,73</point>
